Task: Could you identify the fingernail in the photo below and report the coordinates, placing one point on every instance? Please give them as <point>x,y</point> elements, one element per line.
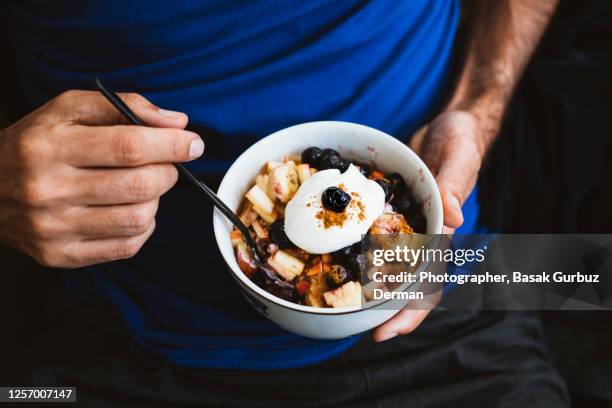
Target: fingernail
<point>171,114</point>
<point>455,203</point>
<point>456,206</point>
<point>388,336</point>
<point>196,148</point>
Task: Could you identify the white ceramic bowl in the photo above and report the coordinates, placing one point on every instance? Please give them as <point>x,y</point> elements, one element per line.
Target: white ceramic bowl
<point>353,141</point>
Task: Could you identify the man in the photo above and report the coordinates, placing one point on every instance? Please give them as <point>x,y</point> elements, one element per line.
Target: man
<point>79,189</point>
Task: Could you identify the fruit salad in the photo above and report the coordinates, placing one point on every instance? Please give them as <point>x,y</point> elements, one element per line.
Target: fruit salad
<point>308,214</point>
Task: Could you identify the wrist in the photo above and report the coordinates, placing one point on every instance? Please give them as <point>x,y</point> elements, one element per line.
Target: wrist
<point>487,112</point>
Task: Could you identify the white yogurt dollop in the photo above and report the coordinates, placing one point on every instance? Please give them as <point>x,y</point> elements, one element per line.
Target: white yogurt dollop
<point>317,230</point>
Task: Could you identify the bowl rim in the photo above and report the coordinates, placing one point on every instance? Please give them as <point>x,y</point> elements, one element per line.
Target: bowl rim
<point>219,218</point>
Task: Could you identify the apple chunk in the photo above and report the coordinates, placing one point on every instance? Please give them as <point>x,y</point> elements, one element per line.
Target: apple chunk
<point>284,182</point>
<point>346,295</point>
<point>245,259</point>
<point>259,199</point>
<point>286,265</point>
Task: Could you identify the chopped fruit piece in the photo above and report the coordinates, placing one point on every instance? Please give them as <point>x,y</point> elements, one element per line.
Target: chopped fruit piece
<point>247,215</point>
<point>313,171</point>
<point>260,231</point>
<point>377,175</point>
<point>236,237</point>
<point>389,223</point>
<point>262,180</point>
<point>284,181</point>
<point>346,295</point>
<point>302,287</point>
<point>318,286</point>
<point>287,266</point>
<point>368,288</point>
<point>259,199</point>
<point>268,217</point>
<point>303,171</point>
<point>271,165</point>
<point>245,259</point>
<point>316,268</point>
<point>297,158</point>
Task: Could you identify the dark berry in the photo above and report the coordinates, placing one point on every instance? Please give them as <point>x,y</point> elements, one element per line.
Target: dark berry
<point>403,203</point>
<point>333,162</point>
<point>335,199</point>
<point>363,169</point>
<point>347,252</point>
<point>277,234</point>
<point>337,276</point>
<point>311,156</point>
<point>418,222</point>
<point>386,186</point>
<point>330,152</point>
<point>358,264</point>
<point>398,184</point>
<point>262,245</point>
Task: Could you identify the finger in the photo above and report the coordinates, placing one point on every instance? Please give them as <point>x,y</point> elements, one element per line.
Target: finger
<point>124,186</point>
<point>92,108</point>
<point>90,252</point>
<point>416,141</point>
<point>127,146</point>
<point>115,221</point>
<point>456,179</point>
<point>406,321</point>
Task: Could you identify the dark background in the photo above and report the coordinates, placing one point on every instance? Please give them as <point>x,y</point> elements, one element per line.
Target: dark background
<point>549,171</point>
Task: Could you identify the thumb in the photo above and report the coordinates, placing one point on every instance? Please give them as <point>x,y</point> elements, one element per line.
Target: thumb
<point>456,179</point>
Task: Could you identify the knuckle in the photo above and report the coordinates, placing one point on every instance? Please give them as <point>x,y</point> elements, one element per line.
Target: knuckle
<point>142,186</point>
<point>34,192</point>
<point>127,249</point>
<point>138,221</point>
<point>40,227</point>
<point>134,99</point>
<point>171,174</point>
<point>129,148</point>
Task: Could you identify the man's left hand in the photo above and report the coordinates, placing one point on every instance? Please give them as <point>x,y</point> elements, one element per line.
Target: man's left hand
<point>452,148</point>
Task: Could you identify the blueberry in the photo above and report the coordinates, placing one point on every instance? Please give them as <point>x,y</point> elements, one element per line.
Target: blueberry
<point>363,169</point>
<point>418,222</point>
<point>347,252</point>
<point>358,264</point>
<point>311,156</point>
<point>333,162</point>
<point>403,203</point>
<point>330,152</point>
<point>277,234</point>
<point>335,199</point>
<point>337,276</point>
<point>398,184</point>
<point>386,186</point>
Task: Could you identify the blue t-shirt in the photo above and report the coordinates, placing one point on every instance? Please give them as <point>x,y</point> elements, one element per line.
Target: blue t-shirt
<point>241,70</point>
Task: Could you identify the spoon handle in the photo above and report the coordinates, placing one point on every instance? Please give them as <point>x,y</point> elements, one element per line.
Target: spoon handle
<point>112,97</point>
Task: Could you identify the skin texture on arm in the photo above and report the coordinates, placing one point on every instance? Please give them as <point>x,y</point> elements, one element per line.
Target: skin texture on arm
<point>503,35</point>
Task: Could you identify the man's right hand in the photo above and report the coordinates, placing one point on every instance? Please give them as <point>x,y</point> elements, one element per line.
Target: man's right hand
<point>78,186</point>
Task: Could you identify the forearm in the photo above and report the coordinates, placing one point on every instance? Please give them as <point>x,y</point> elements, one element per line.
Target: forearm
<point>503,35</point>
